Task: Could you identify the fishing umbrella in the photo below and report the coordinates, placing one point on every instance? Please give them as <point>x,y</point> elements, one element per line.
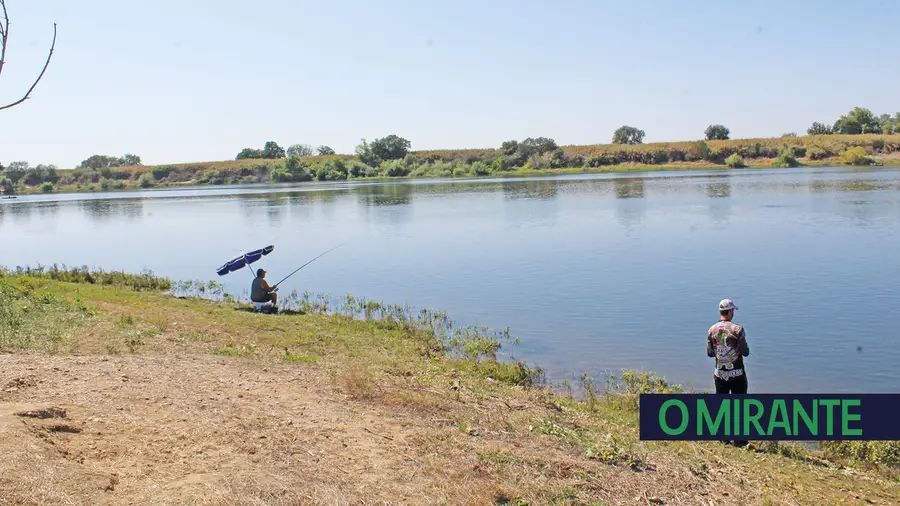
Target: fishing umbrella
<point>244,260</point>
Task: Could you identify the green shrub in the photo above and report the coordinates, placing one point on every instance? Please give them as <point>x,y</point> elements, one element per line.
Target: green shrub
<point>697,151</point>
<point>395,168</point>
<point>863,452</point>
<point>480,169</point>
<point>7,186</point>
<point>856,156</point>
<point>280,175</point>
<point>735,161</point>
<point>146,180</point>
<point>816,153</point>
<point>161,172</point>
<point>786,159</point>
<point>47,187</point>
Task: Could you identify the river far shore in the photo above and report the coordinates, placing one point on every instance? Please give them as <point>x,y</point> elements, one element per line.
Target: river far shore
<point>734,155</point>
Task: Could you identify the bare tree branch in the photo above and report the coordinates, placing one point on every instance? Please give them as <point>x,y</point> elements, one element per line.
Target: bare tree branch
<point>4,36</point>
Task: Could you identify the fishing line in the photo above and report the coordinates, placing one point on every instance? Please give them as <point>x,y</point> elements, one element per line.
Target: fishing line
<point>307,263</point>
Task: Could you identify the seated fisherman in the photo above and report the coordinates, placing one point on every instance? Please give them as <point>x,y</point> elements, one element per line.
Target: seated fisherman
<point>260,291</point>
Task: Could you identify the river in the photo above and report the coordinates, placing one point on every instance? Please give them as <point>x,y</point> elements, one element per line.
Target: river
<point>593,273</point>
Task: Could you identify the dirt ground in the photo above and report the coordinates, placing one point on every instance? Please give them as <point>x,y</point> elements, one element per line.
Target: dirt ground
<point>221,430</point>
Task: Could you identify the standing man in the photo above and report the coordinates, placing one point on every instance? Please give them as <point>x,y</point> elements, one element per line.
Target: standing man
<point>260,291</point>
<point>727,342</point>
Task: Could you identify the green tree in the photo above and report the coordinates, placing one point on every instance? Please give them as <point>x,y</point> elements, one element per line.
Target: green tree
<point>858,121</point>
<point>130,160</point>
<point>365,154</point>
<point>7,185</point>
<point>272,150</point>
<point>388,148</point>
<point>248,153</point>
<point>300,150</point>
<point>538,146</point>
<point>324,150</point>
<point>717,133</point>
<point>100,161</point>
<point>819,129</point>
<point>19,166</point>
<point>628,135</point>
<point>509,148</point>
<point>391,147</point>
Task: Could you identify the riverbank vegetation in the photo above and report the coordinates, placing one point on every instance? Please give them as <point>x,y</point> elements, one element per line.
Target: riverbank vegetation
<point>443,402</point>
<point>857,138</point>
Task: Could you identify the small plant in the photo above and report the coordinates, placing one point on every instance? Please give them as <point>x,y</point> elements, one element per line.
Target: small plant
<point>47,187</point>
<point>358,384</point>
<point>146,180</point>
<point>786,159</point>
<point>300,358</point>
<point>589,387</point>
<point>735,161</point>
<point>856,156</point>
<point>816,153</point>
<point>235,350</point>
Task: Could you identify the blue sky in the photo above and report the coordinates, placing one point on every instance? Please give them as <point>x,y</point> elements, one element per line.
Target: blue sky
<point>194,80</point>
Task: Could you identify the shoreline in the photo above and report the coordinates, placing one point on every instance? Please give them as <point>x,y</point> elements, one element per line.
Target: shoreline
<point>861,150</point>
<point>614,169</point>
<point>392,386</point>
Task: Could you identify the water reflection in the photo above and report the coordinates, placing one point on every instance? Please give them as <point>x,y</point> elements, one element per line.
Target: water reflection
<point>104,210</point>
<point>631,207</point>
<point>386,206</point>
<point>531,203</point>
<point>386,195</point>
<point>718,193</point>
<point>718,189</point>
<point>629,188</point>
<point>541,190</point>
<point>818,186</point>
<point>23,212</point>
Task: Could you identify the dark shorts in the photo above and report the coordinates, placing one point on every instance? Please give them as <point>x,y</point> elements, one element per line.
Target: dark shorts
<point>736,385</point>
<point>266,298</point>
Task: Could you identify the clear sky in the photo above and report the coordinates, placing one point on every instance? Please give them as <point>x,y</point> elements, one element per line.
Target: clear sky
<point>196,80</point>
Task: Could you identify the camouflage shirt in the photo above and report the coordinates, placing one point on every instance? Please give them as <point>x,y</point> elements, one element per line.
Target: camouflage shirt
<point>727,342</point>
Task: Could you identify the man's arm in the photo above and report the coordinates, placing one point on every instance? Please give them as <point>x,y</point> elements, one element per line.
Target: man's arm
<point>745,348</point>
<point>710,348</point>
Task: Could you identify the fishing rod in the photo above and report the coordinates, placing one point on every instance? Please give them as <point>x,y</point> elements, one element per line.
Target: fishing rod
<point>304,265</point>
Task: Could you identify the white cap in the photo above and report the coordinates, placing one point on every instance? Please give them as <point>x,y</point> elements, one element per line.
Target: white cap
<point>726,304</point>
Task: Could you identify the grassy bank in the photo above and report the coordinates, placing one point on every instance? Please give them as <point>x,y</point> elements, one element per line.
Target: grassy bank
<point>475,429</point>
<point>815,150</point>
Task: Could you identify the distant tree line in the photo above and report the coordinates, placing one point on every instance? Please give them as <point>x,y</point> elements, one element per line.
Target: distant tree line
<point>392,156</point>
<point>859,121</point>
<point>271,151</point>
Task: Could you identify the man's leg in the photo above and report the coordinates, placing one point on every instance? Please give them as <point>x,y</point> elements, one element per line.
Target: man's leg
<point>739,386</point>
<point>274,299</point>
<point>722,386</point>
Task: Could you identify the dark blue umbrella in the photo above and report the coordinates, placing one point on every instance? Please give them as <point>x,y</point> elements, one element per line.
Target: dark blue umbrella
<point>244,260</point>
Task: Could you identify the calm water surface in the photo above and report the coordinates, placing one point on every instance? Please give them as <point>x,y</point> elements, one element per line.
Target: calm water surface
<point>593,273</point>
